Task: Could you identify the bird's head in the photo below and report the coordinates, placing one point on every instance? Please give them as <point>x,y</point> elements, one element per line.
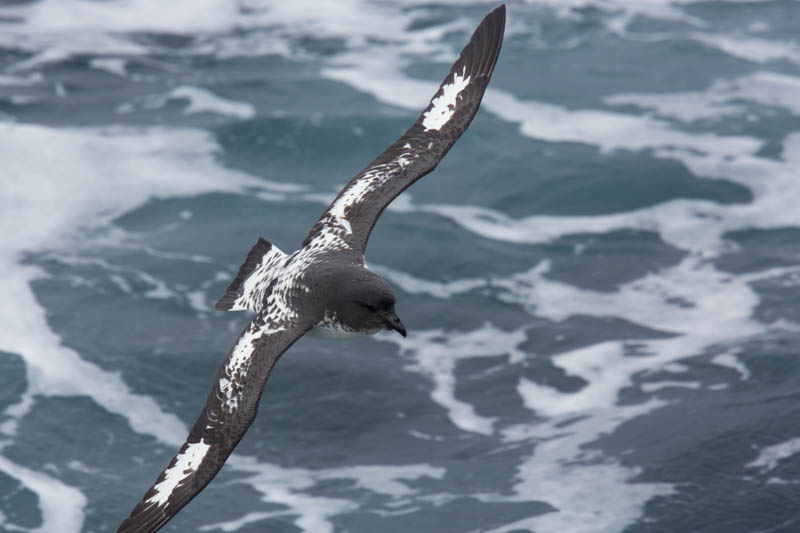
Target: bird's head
<point>372,302</point>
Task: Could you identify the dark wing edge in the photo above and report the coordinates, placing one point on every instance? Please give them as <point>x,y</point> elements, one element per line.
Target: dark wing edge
<point>349,220</point>
<point>230,408</point>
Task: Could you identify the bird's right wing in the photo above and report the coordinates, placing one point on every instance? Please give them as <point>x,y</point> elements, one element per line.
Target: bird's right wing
<point>348,221</point>
<point>230,409</point>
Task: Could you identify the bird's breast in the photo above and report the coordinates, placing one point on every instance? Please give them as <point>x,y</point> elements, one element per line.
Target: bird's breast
<point>330,327</point>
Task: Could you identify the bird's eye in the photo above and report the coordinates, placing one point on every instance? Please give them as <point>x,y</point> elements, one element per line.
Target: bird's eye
<point>369,307</point>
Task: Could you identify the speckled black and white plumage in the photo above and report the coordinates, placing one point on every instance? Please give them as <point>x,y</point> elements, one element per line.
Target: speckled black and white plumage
<point>348,221</point>
<point>323,285</point>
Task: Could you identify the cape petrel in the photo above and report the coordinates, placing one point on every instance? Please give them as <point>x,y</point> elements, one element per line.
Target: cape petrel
<point>325,284</point>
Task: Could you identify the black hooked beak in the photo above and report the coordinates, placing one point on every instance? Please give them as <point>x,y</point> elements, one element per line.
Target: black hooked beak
<point>392,321</point>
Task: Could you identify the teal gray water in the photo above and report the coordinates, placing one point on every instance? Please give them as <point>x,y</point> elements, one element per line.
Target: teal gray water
<point>600,281</point>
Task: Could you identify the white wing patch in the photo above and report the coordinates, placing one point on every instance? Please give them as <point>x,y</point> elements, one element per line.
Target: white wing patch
<point>374,178</point>
<point>346,223</point>
<point>255,286</point>
<point>231,384</point>
<point>443,106</point>
<point>337,224</point>
<point>186,463</point>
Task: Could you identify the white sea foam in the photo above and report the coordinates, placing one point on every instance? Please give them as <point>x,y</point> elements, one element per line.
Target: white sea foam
<point>606,130</point>
<point>414,285</point>
<point>386,480</point>
<point>436,354</point>
<point>124,277</point>
<point>21,99</point>
<point>729,360</point>
<point>723,98</point>
<point>199,101</point>
<point>31,79</point>
<point>289,486</point>
<point>591,492</point>
<point>204,101</point>
<point>659,385</point>
<point>112,65</point>
<point>755,49</point>
<point>769,457</point>
<point>198,301</point>
<point>62,506</point>
<point>80,467</point>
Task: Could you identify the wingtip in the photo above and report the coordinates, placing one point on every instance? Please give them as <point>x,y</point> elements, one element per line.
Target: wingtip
<point>225,303</point>
<point>497,13</point>
<point>486,42</point>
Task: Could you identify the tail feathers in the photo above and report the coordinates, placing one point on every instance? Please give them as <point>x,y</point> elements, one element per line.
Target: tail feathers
<point>243,292</point>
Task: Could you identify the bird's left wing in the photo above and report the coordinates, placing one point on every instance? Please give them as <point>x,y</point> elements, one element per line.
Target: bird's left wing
<point>348,221</point>
<point>230,409</point>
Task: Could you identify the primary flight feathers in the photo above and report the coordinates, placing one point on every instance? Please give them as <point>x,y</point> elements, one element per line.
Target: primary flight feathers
<point>325,284</point>
<point>421,148</point>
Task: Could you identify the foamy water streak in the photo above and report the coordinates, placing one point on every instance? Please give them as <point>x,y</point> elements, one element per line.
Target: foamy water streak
<point>769,457</point>
<point>438,352</point>
<point>62,506</point>
<point>291,487</point>
<point>198,100</point>
<point>724,98</point>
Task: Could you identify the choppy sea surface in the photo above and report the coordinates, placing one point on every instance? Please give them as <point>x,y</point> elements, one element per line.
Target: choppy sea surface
<point>601,281</point>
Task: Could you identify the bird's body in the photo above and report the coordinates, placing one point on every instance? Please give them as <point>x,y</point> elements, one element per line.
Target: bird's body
<point>324,286</point>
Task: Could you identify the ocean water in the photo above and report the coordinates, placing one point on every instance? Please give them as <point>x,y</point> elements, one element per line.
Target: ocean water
<point>601,281</point>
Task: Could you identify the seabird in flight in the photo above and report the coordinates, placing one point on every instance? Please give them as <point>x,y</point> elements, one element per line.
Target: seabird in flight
<point>325,284</point>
